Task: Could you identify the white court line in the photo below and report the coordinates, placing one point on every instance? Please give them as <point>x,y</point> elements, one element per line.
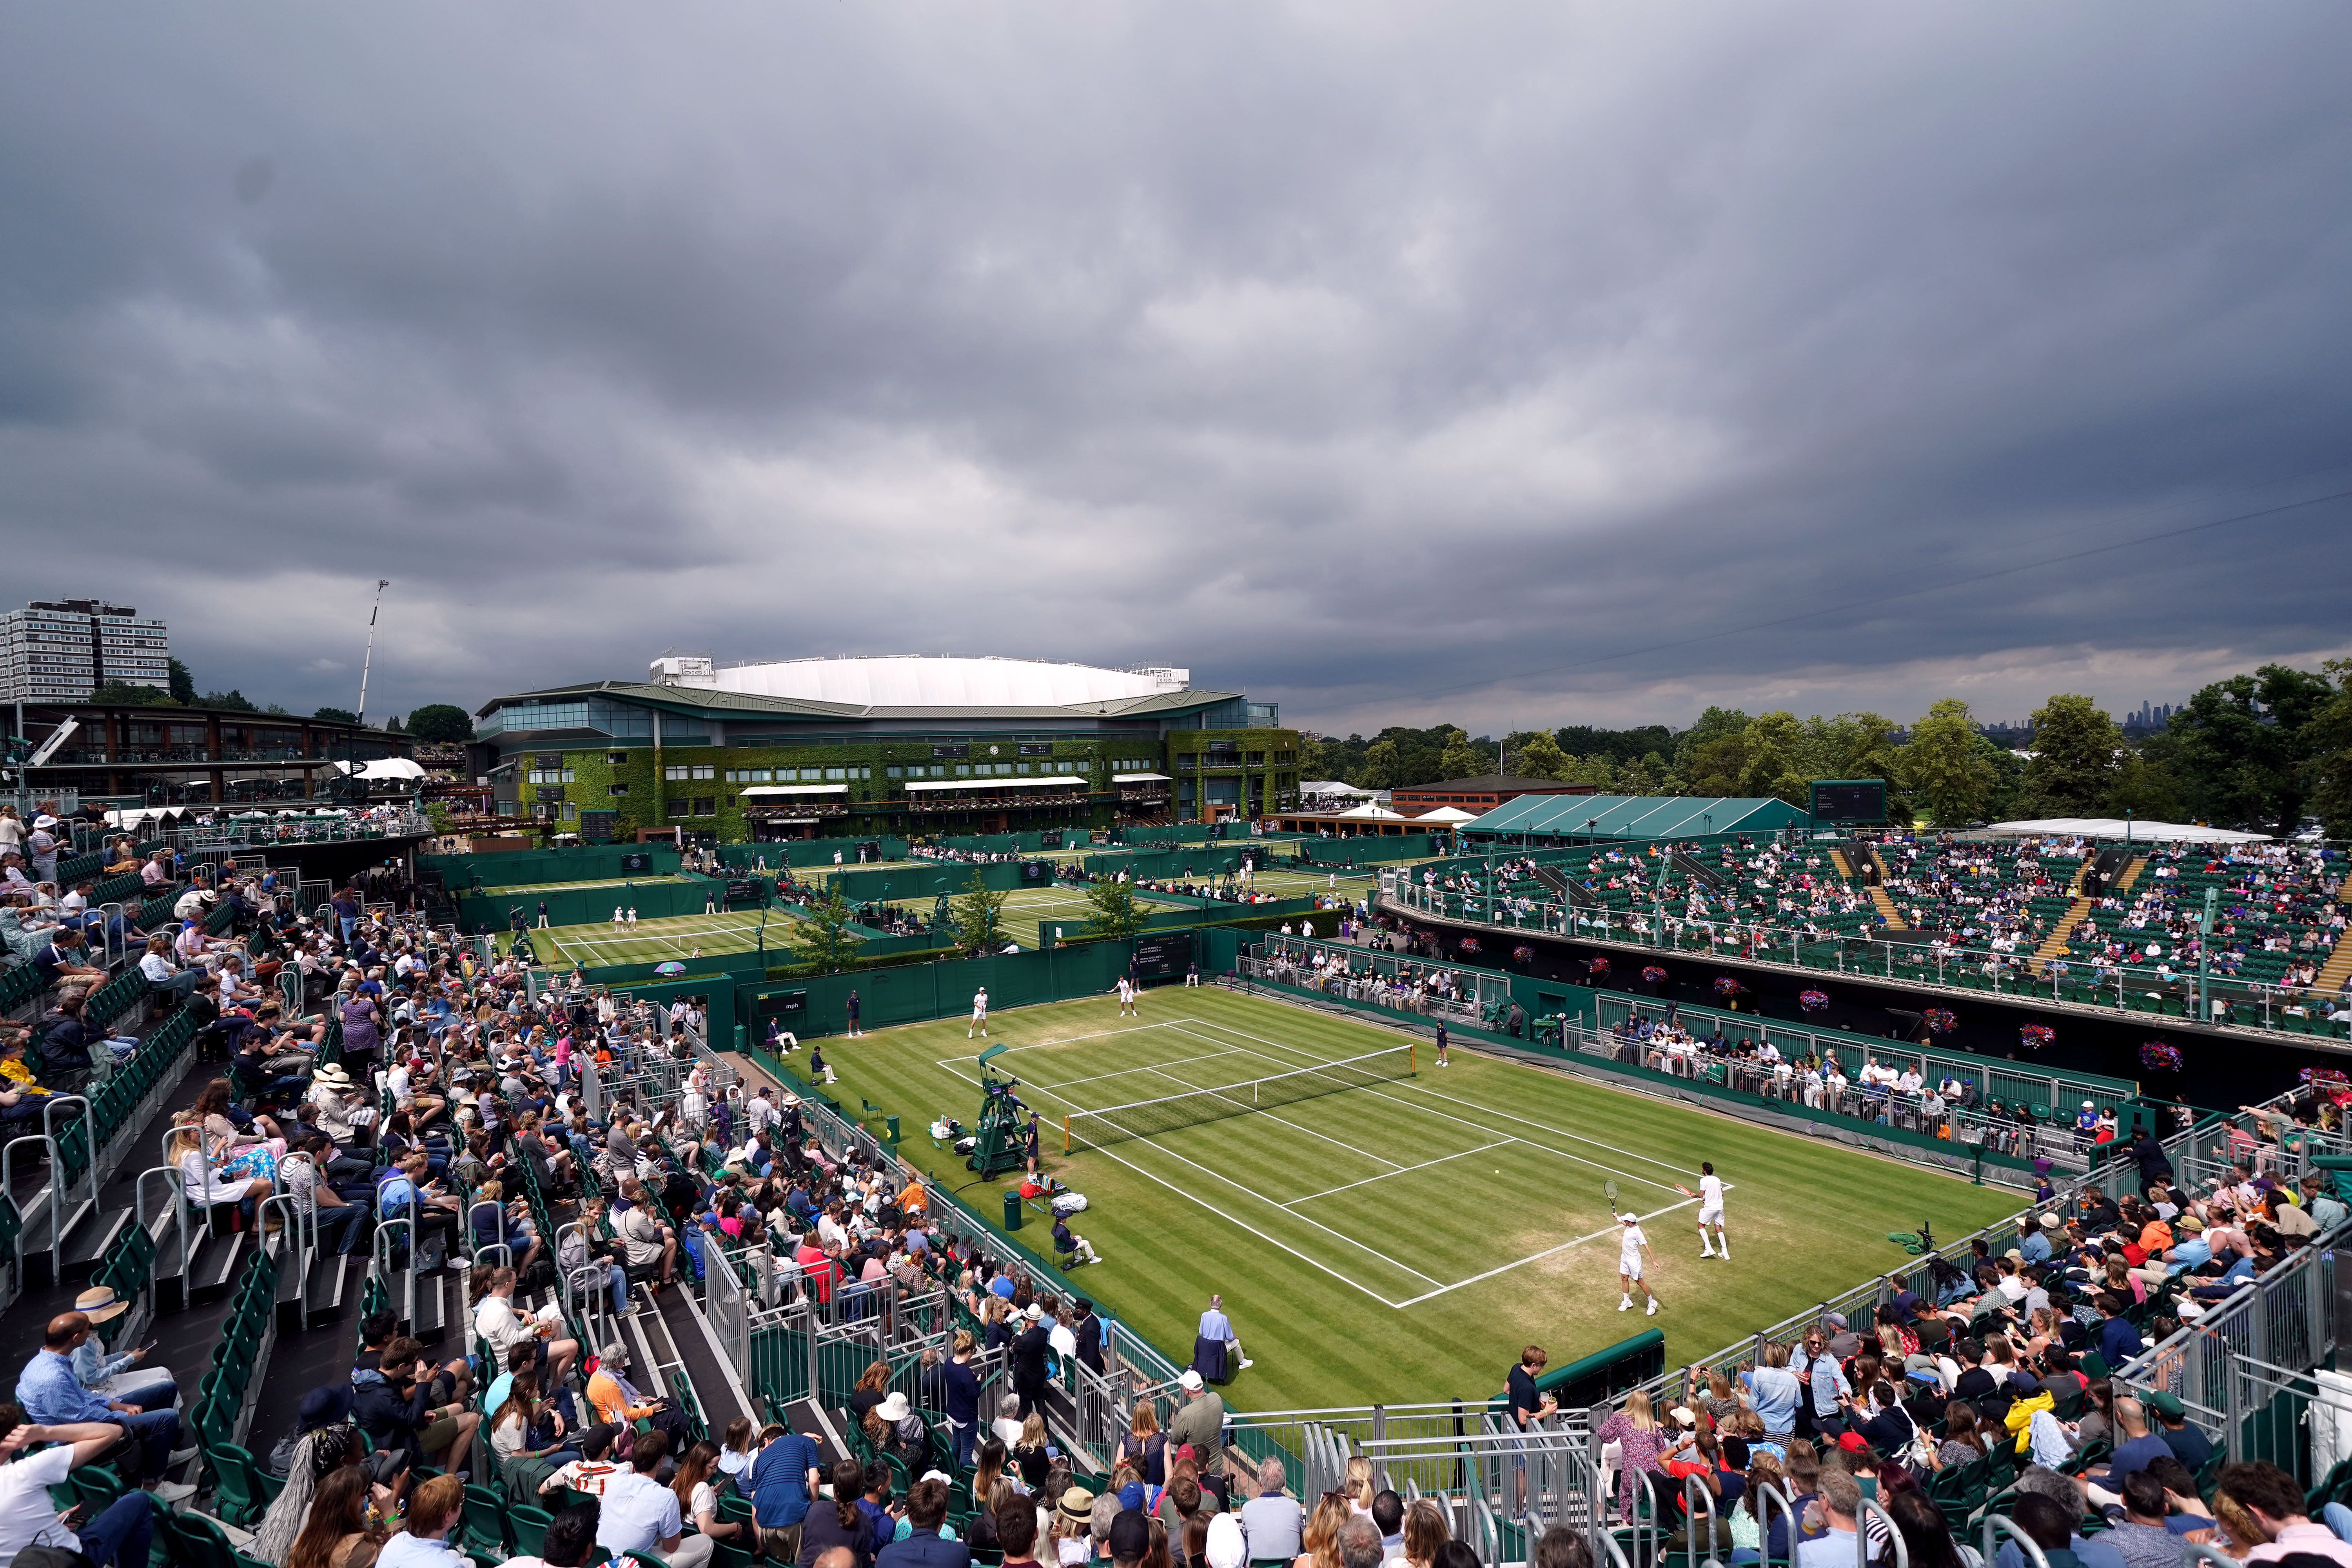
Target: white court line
<point>1261,1197</point>
<point>1546,1252</point>
<point>1096,1078</point>
<point>1465,1121</point>
<point>1178,1026</point>
<point>1313,1263</point>
<point>1280,1122</point>
<point>1402,1170</point>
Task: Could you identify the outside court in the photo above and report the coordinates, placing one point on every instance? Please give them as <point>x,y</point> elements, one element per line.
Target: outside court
<point>1401,1237</point>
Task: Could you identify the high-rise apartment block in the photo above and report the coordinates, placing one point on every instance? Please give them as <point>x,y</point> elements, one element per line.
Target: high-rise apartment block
<point>60,651</point>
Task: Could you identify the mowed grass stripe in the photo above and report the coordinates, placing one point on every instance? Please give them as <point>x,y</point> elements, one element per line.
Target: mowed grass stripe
<point>1808,1217</point>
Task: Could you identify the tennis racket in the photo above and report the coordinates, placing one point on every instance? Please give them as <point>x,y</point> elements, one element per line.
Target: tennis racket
<point>1684,1191</point>
<point>1609,1191</point>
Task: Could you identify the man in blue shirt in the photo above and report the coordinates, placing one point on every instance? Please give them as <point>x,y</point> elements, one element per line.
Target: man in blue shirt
<point>53,1396</point>
<point>783,1479</point>
<point>1216,1325</point>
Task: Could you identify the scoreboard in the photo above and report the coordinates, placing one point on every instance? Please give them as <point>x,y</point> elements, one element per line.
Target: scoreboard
<point>1036,870</point>
<point>1849,800</point>
<point>1163,955</point>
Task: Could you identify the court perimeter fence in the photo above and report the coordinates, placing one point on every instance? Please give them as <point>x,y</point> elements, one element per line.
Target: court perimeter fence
<point>653,900</point>
<point>1095,1407</point>
<point>518,868</point>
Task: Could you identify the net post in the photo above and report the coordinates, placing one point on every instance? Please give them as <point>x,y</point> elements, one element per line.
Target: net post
<point>1065,1135</point>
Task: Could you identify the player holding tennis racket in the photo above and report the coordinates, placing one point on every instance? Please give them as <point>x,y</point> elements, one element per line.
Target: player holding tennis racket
<point>1633,1247</point>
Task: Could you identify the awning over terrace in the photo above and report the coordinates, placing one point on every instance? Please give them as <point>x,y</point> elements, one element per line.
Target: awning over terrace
<point>1058,779</point>
<point>1641,817</point>
<point>777,792</point>
<point>2117,828</point>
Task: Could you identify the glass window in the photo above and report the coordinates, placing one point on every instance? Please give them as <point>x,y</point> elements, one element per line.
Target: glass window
<point>675,807</point>
<point>963,770</point>
<point>617,789</point>
<point>705,772</point>
<point>837,774</point>
<point>673,772</point>
<point>705,805</point>
<point>895,773</point>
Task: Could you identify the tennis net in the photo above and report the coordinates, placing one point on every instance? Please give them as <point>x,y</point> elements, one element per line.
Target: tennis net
<point>1101,1125</point>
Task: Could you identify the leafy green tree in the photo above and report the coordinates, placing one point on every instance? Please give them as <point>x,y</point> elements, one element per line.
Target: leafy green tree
<point>1115,913</point>
<point>443,723</point>
<point>1711,755</point>
<point>979,916</point>
<point>1596,770</point>
<point>232,699</point>
<point>2078,752</point>
<point>128,695</point>
<point>1460,759</point>
<point>1641,775</point>
<point>2329,743</point>
<point>1945,768</point>
<point>2242,747</point>
<point>183,684</point>
<point>1774,748</point>
<point>1541,757</point>
<point>821,935</point>
<point>1382,767</point>
<point>2145,787</point>
<point>337,715</point>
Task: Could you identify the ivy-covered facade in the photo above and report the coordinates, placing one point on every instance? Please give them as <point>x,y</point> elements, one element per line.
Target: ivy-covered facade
<point>617,759</point>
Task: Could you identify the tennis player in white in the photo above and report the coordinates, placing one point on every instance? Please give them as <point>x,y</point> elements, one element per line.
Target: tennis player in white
<point>979,1013</point>
<point>1633,1246</point>
<point>1710,1212</point>
<point>1127,998</point>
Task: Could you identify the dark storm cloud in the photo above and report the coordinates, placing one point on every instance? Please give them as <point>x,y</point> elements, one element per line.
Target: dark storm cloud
<point>1395,362</point>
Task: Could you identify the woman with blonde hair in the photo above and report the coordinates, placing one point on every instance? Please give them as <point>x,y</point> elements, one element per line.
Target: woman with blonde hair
<point>203,1181</point>
<point>1145,1446</point>
<point>1635,1432</point>
<point>1320,1539</point>
<point>1357,1486</point>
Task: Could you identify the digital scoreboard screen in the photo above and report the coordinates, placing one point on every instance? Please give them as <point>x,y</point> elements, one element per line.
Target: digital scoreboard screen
<point>1849,800</point>
<point>742,889</point>
<point>1163,955</point>
<point>637,862</point>
<point>784,1005</point>
<point>1036,870</point>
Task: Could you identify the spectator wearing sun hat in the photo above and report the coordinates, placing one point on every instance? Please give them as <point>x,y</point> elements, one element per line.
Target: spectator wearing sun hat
<point>118,1376</point>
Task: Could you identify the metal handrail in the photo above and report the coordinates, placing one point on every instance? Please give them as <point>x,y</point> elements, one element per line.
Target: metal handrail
<point>1997,1525</point>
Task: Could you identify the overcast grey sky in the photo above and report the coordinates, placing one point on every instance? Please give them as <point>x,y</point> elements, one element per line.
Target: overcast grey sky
<point>1395,362</point>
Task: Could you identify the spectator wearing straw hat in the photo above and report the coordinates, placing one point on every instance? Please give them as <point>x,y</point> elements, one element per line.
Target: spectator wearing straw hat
<point>121,1376</point>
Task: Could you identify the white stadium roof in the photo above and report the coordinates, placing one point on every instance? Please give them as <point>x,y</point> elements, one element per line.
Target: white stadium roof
<point>916,680</point>
<point>2143,829</point>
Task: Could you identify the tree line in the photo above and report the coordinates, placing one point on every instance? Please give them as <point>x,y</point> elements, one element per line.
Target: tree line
<point>434,721</point>
<point>2261,751</point>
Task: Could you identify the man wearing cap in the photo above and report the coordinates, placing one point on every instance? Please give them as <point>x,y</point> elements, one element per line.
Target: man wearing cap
<point>1131,1538</point>
<point>1029,1349</point>
<point>1200,1424</point>
<point>118,1376</point>
<point>2189,1444</point>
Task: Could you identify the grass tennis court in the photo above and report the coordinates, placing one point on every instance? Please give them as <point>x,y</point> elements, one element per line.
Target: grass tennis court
<point>657,940</point>
<point>1025,907</point>
<point>1403,1238</point>
<point>521,891</point>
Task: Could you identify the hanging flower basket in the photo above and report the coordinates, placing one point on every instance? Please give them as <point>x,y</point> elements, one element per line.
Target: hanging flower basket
<point>2158,1057</point>
<point>1941,1020</point>
<point>1725,985</point>
<point>2034,1036</point>
<point>1813,1001</point>
<point>1596,967</point>
<point>2323,1076</point>
<point>1523,955</point>
<point>1652,973</point>
<point>1469,944</point>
